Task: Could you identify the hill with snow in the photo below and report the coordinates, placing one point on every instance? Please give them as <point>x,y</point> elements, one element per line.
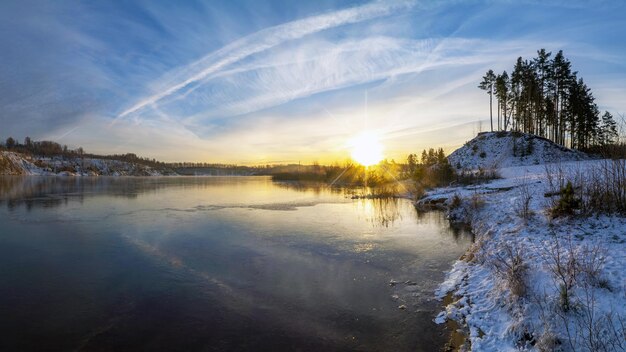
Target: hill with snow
<point>492,150</point>
<point>12,163</point>
<point>534,279</point>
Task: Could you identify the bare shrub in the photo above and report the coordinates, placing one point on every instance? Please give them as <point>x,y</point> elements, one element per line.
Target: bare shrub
<point>455,202</point>
<point>591,261</point>
<point>473,254</point>
<point>600,189</point>
<point>604,188</point>
<point>418,191</point>
<point>548,342</point>
<point>548,339</point>
<point>476,202</point>
<point>511,266</point>
<point>471,177</point>
<point>596,331</point>
<point>587,329</point>
<point>522,204</point>
<point>562,263</point>
<point>555,175</point>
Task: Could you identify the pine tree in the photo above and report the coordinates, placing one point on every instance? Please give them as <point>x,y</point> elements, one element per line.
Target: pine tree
<point>516,92</point>
<point>411,163</point>
<point>561,78</point>
<point>488,84</point>
<point>608,130</point>
<point>542,65</point>
<point>502,94</point>
<point>441,156</point>
<point>10,143</point>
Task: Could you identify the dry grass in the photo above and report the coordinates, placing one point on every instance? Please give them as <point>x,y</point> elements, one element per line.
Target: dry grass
<point>476,202</point>
<point>597,190</point>
<point>455,201</point>
<point>604,189</point>
<point>562,262</point>
<point>511,266</point>
<point>522,203</point>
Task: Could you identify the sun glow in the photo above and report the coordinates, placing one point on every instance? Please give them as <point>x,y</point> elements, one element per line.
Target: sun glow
<point>366,148</point>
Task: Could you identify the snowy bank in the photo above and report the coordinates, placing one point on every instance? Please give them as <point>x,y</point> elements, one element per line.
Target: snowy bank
<point>12,163</point>
<point>532,281</point>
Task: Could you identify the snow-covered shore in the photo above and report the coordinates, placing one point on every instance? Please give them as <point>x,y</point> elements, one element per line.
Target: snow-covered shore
<point>12,163</point>
<point>493,316</point>
<point>532,281</point>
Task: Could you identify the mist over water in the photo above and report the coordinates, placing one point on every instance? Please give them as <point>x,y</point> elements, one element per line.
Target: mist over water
<point>216,263</point>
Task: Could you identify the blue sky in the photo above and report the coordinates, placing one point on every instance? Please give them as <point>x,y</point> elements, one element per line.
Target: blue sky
<point>281,81</point>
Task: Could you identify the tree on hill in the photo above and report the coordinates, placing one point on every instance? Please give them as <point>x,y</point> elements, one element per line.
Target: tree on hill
<point>10,143</point>
<point>488,84</point>
<point>545,97</point>
<point>502,94</point>
<point>608,130</point>
<point>411,162</point>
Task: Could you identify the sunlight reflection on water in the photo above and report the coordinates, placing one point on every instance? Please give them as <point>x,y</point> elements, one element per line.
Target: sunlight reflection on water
<point>186,263</point>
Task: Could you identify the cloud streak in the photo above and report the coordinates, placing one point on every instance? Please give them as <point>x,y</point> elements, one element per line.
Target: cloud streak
<point>263,40</point>
<point>316,66</point>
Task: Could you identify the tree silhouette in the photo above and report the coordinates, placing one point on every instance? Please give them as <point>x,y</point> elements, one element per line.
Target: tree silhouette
<point>487,84</point>
<point>10,143</point>
<point>544,96</point>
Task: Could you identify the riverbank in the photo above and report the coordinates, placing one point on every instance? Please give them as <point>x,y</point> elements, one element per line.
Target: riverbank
<point>533,281</point>
<point>12,163</point>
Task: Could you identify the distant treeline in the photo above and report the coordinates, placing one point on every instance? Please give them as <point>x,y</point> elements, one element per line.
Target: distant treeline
<point>348,173</point>
<point>43,148</point>
<point>544,96</point>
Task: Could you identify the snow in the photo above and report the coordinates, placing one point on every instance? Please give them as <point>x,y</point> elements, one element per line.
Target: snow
<point>494,318</point>
<point>12,163</point>
<point>492,150</point>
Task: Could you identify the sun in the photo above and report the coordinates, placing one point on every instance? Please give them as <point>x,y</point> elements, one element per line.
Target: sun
<point>366,148</point>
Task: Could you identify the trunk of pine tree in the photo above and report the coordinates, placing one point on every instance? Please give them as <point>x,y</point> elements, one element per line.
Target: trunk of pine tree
<point>499,108</point>
<point>491,108</point>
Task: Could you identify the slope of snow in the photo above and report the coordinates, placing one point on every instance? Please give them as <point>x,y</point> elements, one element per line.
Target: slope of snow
<point>15,164</point>
<point>493,317</point>
<point>19,164</point>
<point>492,150</point>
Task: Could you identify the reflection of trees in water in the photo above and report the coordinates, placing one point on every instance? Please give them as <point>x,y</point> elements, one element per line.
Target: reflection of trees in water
<point>30,203</point>
<point>381,211</point>
<point>39,192</point>
<point>352,191</point>
<point>384,210</point>
<point>48,192</point>
<point>459,231</point>
<point>316,188</point>
<point>54,191</point>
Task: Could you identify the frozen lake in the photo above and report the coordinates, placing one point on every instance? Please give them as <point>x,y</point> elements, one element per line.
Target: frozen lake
<point>216,264</point>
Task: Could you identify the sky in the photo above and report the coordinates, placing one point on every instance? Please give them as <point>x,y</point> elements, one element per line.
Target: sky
<point>281,81</point>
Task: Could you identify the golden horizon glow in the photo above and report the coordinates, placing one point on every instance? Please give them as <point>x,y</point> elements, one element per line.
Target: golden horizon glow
<point>366,148</point>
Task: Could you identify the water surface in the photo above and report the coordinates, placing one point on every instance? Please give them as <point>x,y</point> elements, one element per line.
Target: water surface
<point>216,264</point>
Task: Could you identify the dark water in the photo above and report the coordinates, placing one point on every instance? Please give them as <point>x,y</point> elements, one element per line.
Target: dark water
<point>215,264</point>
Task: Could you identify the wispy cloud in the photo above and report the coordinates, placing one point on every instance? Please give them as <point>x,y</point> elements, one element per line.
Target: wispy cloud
<point>263,40</point>
<point>292,91</point>
<point>315,66</point>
